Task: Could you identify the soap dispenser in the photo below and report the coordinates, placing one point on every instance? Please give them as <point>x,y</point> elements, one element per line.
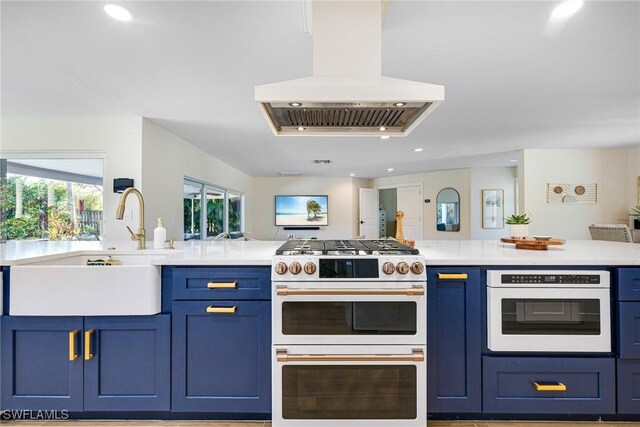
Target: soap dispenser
<point>159,235</point>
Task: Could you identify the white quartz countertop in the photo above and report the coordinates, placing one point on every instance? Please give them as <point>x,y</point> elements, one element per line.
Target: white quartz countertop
<point>436,252</point>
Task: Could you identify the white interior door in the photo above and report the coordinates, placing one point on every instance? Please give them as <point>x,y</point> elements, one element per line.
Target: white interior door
<point>368,215</point>
<point>409,200</point>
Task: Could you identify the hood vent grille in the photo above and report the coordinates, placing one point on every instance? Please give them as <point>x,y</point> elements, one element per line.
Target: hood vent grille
<point>338,117</point>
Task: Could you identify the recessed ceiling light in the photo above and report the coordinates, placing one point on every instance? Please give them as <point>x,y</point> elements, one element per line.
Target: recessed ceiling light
<point>390,170</point>
<point>382,128</point>
<point>300,128</point>
<point>322,162</point>
<point>513,160</point>
<point>399,104</point>
<point>385,137</point>
<point>417,150</point>
<point>118,12</point>
<point>352,174</point>
<point>295,104</point>
<point>288,173</point>
<point>566,9</point>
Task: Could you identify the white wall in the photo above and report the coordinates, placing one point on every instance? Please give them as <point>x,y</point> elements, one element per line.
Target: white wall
<point>491,179</point>
<point>116,139</point>
<point>605,167</point>
<point>343,205</point>
<point>166,160</point>
<point>432,183</point>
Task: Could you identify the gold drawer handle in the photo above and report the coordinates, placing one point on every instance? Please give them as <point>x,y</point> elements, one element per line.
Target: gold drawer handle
<point>549,386</point>
<point>452,276</point>
<point>227,310</point>
<point>414,291</point>
<point>73,354</point>
<point>88,355</point>
<point>222,285</point>
<point>416,356</point>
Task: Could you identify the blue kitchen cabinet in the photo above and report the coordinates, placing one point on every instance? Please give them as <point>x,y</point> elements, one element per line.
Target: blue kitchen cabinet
<point>91,364</point>
<point>128,363</point>
<point>628,386</point>
<point>221,357</point>
<point>629,329</point>
<point>42,365</point>
<point>453,340</point>
<point>224,283</point>
<point>628,284</point>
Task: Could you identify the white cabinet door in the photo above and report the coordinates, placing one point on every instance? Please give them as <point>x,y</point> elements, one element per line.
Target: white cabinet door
<point>368,213</point>
<point>409,200</point>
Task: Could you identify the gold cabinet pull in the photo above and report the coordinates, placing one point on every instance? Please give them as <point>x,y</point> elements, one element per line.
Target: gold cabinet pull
<point>549,386</point>
<point>414,291</point>
<point>416,356</point>
<point>222,310</point>
<point>222,285</point>
<point>73,336</point>
<point>452,276</point>
<point>88,355</point>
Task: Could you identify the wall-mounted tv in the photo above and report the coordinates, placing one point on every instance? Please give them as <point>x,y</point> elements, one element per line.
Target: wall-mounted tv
<point>302,211</point>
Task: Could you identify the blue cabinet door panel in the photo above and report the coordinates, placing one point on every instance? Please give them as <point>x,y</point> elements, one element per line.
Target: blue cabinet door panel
<point>221,361</point>
<point>629,387</point>
<point>130,369</point>
<point>508,385</point>
<point>628,284</point>
<point>453,342</point>
<point>629,331</point>
<point>192,283</point>
<point>36,371</point>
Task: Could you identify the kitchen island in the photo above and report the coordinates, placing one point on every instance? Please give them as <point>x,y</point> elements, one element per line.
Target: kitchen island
<point>184,362</point>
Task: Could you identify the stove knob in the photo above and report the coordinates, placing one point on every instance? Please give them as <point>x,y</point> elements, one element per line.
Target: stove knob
<point>402,267</point>
<point>417,268</point>
<point>281,268</point>
<point>388,268</point>
<point>309,268</point>
<point>295,267</point>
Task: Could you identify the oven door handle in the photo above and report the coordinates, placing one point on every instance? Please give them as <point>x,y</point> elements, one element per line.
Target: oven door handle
<point>283,356</point>
<point>283,291</point>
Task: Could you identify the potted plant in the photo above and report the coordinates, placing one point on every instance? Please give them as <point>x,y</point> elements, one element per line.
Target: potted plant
<point>518,226</point>
<point>635,213</point>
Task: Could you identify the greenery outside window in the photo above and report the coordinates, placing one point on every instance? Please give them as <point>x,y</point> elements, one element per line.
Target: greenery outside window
<point>224,212</point>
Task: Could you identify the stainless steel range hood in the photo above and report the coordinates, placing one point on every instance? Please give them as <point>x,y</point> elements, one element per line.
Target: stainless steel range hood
<point>347,95</point>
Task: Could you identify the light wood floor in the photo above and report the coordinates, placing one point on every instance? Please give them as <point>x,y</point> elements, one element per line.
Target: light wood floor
<point>118,423</point>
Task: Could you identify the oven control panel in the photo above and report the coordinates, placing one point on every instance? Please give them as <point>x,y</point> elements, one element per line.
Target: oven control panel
<point>560,279</point>
<point>548,278</point>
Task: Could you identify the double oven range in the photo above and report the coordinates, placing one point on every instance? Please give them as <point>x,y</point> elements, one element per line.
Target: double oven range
<point>349,334</point>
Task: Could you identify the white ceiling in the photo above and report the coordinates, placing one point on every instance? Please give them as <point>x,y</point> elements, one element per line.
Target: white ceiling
<point>191,67</point>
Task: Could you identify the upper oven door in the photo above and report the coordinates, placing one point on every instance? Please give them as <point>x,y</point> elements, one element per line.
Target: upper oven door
<point>548,319</point>
<point>349,313</point>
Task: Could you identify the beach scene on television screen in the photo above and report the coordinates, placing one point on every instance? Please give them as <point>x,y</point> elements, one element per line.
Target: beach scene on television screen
<point>301,210</point>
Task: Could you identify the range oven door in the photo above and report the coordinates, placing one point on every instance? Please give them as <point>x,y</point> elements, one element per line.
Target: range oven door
<point>317,386</point>
<point>349,313</point>
<point>549,319</point>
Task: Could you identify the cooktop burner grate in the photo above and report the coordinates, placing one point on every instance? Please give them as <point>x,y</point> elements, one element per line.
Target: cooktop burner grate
<point>345,247</point>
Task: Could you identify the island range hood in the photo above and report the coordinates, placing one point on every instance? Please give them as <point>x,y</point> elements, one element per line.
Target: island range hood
<point>347,95</point>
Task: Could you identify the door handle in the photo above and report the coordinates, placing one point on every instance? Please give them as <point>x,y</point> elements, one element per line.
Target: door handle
<point>413,291</point>
<point>361,222</point>
<point>88,354</point>
<point>549,386</point>
<point>417,355</point>
<point>222,285</point>
<point>73,337</point>
<point>452,276</point>
<point>222,310</point>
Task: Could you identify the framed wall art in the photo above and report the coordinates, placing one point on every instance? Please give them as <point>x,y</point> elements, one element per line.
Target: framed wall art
<point>492,208</point>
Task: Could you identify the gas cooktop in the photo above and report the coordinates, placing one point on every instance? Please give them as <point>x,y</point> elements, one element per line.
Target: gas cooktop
<point>345,247</point>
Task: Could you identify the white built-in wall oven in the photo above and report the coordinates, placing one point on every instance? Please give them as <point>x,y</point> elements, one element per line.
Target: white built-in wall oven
<point>548,311</point>
<point>349,335</point>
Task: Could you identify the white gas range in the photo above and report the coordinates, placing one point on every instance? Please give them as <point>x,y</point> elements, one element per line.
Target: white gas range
<point>349,334</point>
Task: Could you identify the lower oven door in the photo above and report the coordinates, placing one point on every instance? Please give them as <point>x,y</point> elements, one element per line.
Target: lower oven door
<point>548,319</point>
<point>350,313</point>
<point>348,386</point>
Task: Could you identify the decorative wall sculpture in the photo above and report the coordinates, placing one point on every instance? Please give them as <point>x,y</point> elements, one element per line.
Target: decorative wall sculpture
<point>572,193</point>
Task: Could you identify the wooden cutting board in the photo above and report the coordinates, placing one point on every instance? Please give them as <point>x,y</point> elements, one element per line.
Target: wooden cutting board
<point>532,244</point>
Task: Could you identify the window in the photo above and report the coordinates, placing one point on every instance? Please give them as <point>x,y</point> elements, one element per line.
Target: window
<point>222,212</point>
<point>50,199</point>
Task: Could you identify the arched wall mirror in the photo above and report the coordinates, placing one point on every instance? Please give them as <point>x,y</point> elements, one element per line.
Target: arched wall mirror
<point>448,210</point>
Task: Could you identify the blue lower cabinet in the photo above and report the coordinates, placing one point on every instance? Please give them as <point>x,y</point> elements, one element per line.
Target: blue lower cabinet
<point>42,365</point>
<point>453,341</point>
<point>127,363</point>
<point>221,356</point>
<point>629,330</point>
<point>528,385</point>
<point>629,386</point>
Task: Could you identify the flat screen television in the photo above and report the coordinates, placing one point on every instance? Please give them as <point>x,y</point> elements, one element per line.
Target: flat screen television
<point>302,211</point>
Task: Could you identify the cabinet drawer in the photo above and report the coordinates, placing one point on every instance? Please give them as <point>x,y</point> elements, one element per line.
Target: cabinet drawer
<point>225,283</point>
<point>509,385</point>
<point>629,386</point>
<point>628,284</point>
<point>629,330</point>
